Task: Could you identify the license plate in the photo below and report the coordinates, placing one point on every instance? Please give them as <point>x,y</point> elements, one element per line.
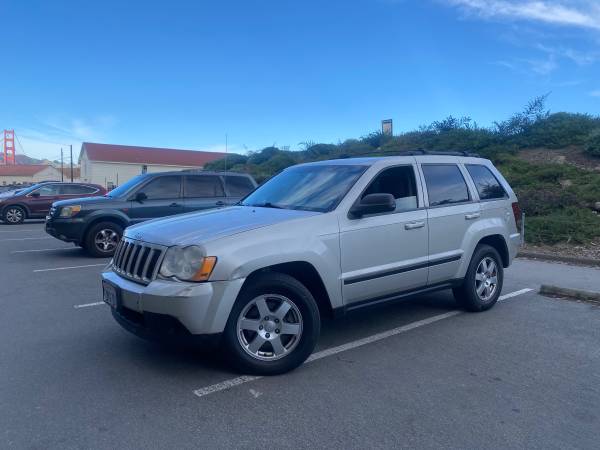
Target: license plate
<point>110,295</point>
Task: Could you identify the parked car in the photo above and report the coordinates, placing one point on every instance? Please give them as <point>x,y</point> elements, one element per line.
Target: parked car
<point>97,224</point>
<point>35,201</point>
<point>323,238</point>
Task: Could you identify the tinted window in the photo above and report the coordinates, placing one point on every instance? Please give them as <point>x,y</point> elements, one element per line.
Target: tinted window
<point>238,186</point>
<point>162,188</point>
<point>400,182</point>
<point>311,188</point>
<point>487,185</point>
<point>47,190</point>
<point>76,189</point>
<point>445,184</point>
<point>203,186</point>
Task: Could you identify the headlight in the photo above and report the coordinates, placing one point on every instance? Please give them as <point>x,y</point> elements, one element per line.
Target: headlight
<point>187,263</point>
<point>69,211</point>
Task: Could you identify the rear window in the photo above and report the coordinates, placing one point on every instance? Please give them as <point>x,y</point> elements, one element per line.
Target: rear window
<point>445,184</point>
<point>203,186</point>
<point>486,183</point>
<point>76,189</point>
<point>238,186</point>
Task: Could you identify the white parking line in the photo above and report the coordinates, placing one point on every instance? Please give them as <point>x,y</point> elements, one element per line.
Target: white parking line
<point>224,385</point>
<point>26,239</point>
<point>19,231</point>
<point>71,267</point>
<point>87,305</point>
<point>45,250</point>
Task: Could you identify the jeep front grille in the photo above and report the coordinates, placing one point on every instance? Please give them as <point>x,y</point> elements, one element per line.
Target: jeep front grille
<point>138,261</point>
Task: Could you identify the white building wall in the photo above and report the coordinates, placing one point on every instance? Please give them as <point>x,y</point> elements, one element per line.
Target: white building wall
<point>49,173</point>
<point>112,174</point>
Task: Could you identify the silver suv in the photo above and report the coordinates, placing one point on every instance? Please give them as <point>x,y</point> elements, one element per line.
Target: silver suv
<point>319,239</point>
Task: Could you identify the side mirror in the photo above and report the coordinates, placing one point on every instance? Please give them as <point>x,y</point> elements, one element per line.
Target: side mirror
<point>35,194</point>
<point>373,204</point>
<point>140,197</point>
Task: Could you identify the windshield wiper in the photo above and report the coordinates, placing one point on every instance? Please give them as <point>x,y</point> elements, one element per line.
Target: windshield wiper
<point>268,205</point>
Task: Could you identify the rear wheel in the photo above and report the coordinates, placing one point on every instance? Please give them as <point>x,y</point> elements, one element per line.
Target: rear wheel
<point>14,215</point>
<point>273,326</point>
<point>482,284</point>
<point>102,239</point>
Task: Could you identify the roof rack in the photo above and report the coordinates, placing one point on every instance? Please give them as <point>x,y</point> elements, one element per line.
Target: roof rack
<point>421,151</point>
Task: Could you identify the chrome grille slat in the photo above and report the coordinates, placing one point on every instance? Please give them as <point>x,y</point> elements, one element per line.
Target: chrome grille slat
<point>131,255</point>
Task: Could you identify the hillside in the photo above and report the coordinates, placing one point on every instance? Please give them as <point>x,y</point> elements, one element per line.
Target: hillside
<point>552,161</point>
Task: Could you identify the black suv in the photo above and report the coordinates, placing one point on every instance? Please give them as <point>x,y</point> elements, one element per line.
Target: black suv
<point>97,224</point>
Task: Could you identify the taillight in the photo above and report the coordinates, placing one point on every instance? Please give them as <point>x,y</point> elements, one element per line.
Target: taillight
<point>518,215</point>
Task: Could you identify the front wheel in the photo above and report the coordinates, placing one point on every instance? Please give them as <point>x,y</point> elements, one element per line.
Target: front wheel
<point>14,215</point>
<point>482,284</point>
<point>273,327</point>
<point>102,239</point>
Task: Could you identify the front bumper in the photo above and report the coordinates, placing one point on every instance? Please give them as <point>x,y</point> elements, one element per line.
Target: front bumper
<point>149,310</point>
<point>68,230</point>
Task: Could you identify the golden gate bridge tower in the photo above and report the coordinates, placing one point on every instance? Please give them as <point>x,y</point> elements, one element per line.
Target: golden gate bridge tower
<point>7,156</point>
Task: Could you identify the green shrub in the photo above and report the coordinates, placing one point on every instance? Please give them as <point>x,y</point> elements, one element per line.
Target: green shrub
<point>592,144</point>
<point>571,225</point>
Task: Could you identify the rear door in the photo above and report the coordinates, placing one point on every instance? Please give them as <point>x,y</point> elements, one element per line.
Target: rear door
<point>203,192</point>
<point>163,198</point>
<point>451,211</point>
<point>40,200</point>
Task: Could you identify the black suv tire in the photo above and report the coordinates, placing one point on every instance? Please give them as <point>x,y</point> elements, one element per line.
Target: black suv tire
<point>273,287</point>
<point>467,295</point>
<point>112,233</point>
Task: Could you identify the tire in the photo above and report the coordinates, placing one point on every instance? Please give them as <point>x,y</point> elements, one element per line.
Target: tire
<point>301,319</point>
<point>112,235</point>
<point>14,215</point>
<point>480,288</point>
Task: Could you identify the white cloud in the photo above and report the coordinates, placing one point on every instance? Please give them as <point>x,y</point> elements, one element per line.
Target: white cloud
<point>576,13</point>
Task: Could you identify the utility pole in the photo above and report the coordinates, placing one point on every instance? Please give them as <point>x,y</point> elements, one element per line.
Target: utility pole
<point>71,162</point>
<point>62,166</point>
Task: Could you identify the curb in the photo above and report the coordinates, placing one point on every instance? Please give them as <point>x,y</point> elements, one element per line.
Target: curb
<point>575,294</point>
<point>558,258</point>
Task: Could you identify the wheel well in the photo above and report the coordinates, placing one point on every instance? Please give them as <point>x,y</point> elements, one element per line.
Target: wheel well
<point>114,220</point>
<point>23,207</point>
<point>306,274</point>
<point>497,241</point>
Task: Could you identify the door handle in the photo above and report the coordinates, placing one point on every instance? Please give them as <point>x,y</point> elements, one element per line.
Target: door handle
<point>472,216</point>
<point>220,203</point>
<point>414,225</point>
<point>174,204</point>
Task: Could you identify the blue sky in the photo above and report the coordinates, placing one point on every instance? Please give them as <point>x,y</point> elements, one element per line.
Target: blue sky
<point>183,74</point>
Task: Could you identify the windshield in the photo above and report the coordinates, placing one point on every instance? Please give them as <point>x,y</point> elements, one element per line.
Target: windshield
<point>125,187</point>
<point>310,188</point>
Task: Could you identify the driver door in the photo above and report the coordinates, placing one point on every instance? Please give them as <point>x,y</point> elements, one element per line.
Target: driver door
<point>163,198</point>
<point>40,200</point>
<point>383,255</point>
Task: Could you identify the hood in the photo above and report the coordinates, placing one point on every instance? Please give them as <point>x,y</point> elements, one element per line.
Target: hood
<point>8,194</point>
<point>199,227</point>
<point>85,201</point>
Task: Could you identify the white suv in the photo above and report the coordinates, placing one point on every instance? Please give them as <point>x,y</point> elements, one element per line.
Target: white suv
<point>318,239</point>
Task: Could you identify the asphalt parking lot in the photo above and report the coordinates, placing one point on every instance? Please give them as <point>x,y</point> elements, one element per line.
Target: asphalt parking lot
<point>416,374</point>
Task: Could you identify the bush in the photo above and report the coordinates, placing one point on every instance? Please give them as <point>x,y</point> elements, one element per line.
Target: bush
<point>571,225</point>
<point>592,144</point>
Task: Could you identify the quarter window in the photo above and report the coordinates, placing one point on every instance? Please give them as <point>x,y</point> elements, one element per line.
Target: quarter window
<point>238,186</point>
<point>445,184</point>
<point>203,186</point>
<point>163,188</point>
<point>398,181</point>
<point>486,183</point>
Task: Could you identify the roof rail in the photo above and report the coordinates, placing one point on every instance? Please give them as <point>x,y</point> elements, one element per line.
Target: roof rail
<point>421,151</point>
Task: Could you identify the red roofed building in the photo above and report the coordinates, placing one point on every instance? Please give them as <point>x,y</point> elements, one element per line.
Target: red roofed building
<point>112,165</point>
<point>27,173</point>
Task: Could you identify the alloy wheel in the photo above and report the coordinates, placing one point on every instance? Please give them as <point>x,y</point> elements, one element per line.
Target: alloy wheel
<point>486,279</point>
<point>269,327</point>
<point>106,240</point>
<point>14,215</point>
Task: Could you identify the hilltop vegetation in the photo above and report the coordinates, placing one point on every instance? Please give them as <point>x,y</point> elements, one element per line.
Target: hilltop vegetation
<point>558,198</point>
